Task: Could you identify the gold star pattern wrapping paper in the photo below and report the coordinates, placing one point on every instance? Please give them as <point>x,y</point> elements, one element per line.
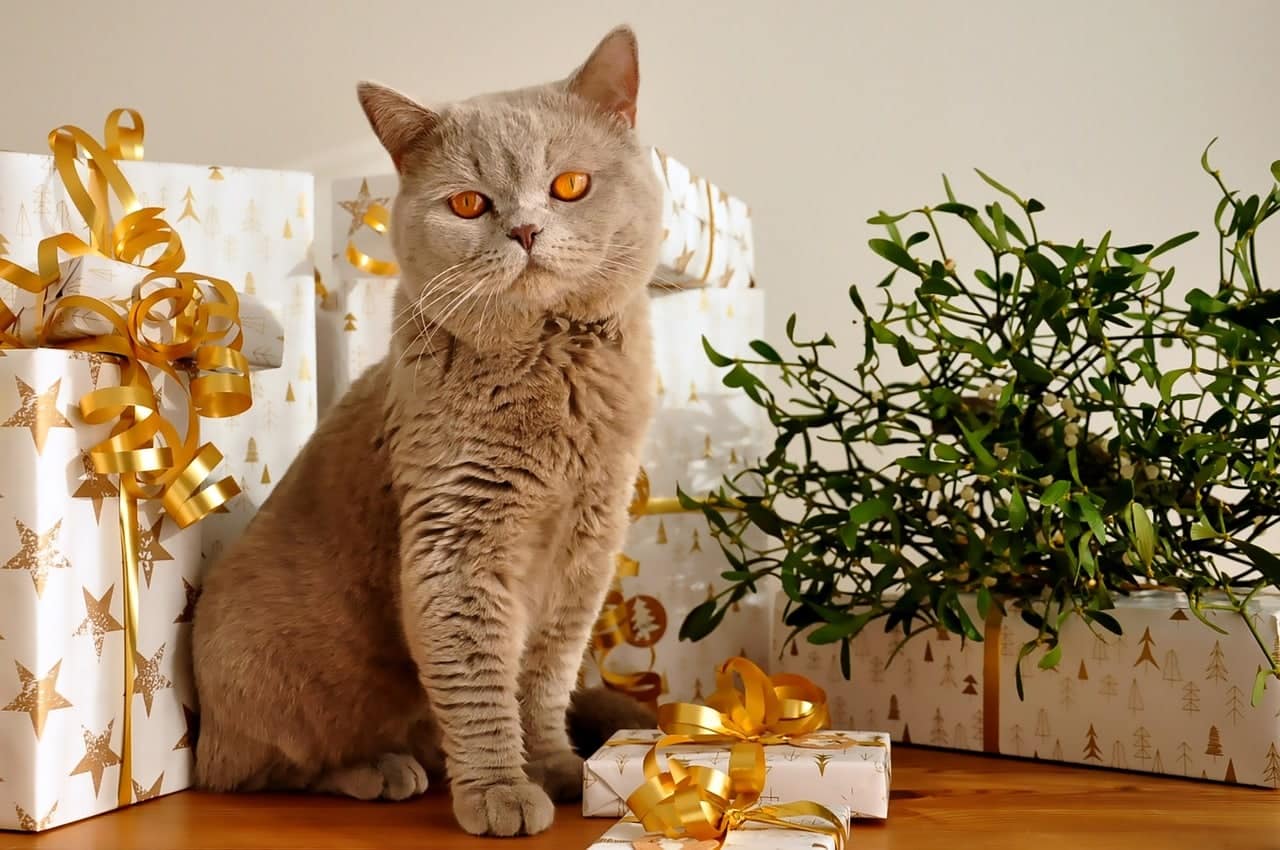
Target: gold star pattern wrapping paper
<point>251,227</point>
<point>62,613</point>
<point>1169,696</point>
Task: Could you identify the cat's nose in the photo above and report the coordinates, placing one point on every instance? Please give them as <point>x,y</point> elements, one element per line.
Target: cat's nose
<point>524,233</point>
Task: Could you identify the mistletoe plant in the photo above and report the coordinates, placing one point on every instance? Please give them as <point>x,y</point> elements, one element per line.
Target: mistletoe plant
<point>1065,430</point>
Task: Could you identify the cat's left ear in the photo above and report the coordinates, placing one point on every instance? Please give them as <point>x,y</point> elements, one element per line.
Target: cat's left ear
<point>610,77</point>
<point>399,122</point>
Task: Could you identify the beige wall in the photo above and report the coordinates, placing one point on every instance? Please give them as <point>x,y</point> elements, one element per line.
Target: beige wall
<point>816,113</point>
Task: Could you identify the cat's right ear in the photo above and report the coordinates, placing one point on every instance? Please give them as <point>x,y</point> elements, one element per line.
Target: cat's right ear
<point>399,122</point>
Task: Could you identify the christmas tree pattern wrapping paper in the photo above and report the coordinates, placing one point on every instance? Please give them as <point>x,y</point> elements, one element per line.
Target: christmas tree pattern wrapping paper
<point>1169,696</point>
<point>840,770</point>
<point>629,835</point>
<point>701,431</point>
<point>252,228</point>
<point>62,638</point>
<point>706,232</point>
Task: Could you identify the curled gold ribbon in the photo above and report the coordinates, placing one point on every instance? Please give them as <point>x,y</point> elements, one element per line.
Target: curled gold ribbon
<point>144,449</point>
<point>612,629</point>
<point>704,803</point>
<point>780,709</point>
<point>378,219</point>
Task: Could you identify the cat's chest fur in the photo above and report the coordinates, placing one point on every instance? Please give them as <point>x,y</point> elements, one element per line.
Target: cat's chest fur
<point>553,411</point>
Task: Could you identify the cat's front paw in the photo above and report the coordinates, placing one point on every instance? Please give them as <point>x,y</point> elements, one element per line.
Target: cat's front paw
<point>516,808</point>
<point>559,773</point>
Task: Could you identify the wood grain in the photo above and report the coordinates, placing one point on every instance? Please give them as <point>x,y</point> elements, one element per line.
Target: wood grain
<point>940,800</point>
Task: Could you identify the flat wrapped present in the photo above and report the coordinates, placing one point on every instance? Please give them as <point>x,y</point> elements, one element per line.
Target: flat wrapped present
<point>839,770</point>
<point>630,835</point>
<point>65,657</point>
<point>119,285</point>
<point>706,232</point>
<point>1170,695</point>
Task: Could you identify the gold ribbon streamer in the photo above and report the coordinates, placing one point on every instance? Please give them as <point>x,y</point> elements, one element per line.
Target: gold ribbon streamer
<point>152,460</point>
<point>991,681</point>
<point>703,803</point>
<point>613,626</point>
<point>378,219</point>
<point>613,629</point>
<point>711,233</point>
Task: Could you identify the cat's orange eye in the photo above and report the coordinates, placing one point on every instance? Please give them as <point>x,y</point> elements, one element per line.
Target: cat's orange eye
<point>468,204</point>
<point>571,185</point>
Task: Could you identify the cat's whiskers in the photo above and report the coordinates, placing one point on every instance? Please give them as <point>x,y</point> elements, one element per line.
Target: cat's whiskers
<point>447,314</point>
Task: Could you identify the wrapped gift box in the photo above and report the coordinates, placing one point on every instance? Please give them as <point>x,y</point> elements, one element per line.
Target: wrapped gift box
<point>706,232</point>
<point>119,285</point>
<point>250,227</point>
<point>62,656</point>
<point>1169,696</point>
<point>750,836</point>
<point>701,431</point>
<point>839,770</point>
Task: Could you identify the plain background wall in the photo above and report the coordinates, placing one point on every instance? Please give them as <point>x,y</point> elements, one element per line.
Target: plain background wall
<point>817,113</point>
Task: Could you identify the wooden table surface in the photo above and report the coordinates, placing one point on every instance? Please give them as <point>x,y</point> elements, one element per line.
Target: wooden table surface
<point>940,800</point>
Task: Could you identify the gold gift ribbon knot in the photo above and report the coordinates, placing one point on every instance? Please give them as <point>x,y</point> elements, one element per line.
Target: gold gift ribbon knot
<point>145,449</point>
<point>704,803</point>
<point>378,219</point>
<point>780,709</point>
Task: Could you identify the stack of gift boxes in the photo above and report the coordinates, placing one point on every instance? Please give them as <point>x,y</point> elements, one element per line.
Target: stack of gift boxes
<point>97,708</point>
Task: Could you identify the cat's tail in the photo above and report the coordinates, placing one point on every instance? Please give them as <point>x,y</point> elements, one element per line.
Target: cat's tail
<point>596,713</point>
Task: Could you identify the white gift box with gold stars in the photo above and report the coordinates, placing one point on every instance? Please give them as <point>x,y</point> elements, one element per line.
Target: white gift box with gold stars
<point>62,632</point>
<point>1170,695</point>
<point>846,771</point>
<point>250,227</point>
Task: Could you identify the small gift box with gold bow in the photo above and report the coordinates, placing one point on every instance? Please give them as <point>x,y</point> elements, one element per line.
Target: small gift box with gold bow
<point>631,835</point>
<point>803,759</point>
<point>104,473</point>
<point>119,285</point>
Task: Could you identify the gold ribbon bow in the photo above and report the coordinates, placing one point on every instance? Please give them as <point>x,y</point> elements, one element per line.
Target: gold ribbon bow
<point>146,451</point>
<point>782,709</point>
<point>378,219</point>
<point>704,803</point>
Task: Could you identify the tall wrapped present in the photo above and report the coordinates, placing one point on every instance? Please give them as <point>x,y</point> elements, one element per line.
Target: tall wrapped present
<point>701,431</point>
<point>1170,695</point>
<point>252,228</point>
<point>356,301</point>
<point>104,472</point>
